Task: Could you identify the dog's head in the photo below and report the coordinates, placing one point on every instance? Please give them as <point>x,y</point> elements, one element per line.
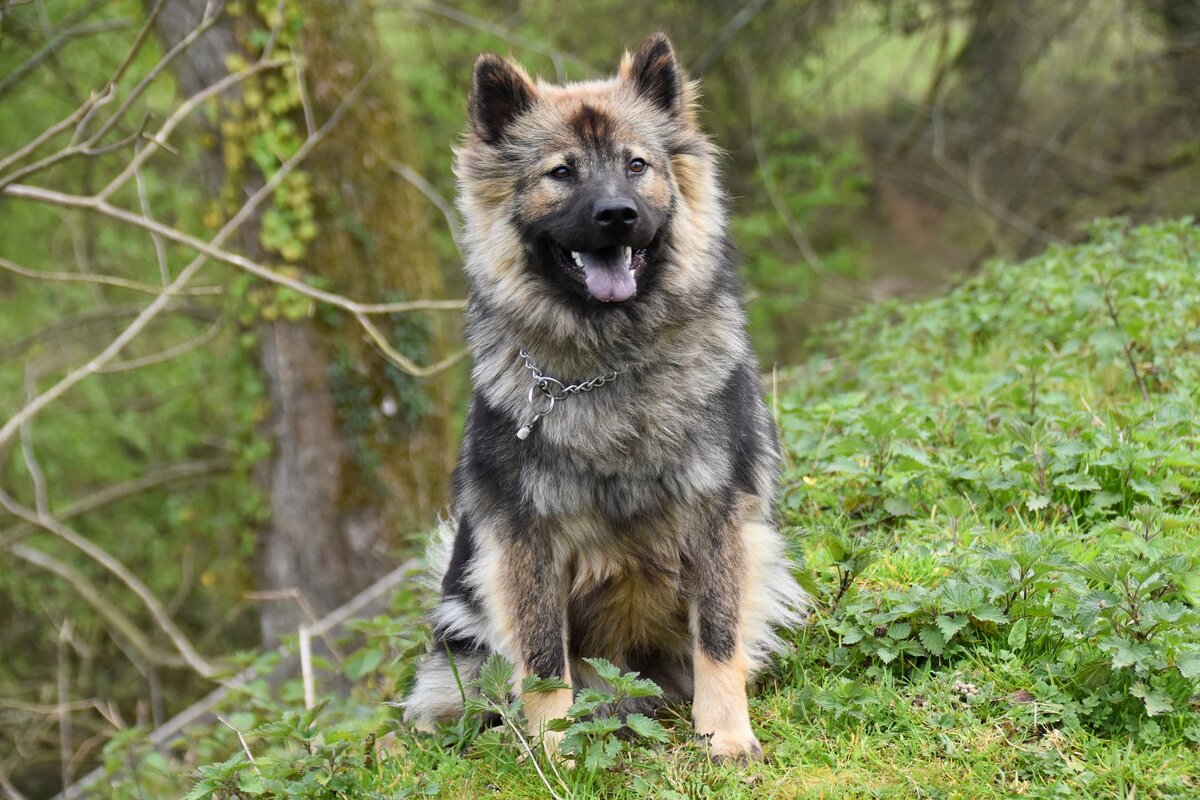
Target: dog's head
<point>582,192</point>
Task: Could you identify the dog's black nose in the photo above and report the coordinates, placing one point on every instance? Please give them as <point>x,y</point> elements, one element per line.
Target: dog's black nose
<point>614,212</point>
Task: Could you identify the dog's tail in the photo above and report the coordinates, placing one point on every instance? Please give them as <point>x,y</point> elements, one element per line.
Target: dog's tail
<point>437,554</point>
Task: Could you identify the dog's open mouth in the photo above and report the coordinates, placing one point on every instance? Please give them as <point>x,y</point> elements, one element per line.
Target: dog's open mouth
<point>610,274</point>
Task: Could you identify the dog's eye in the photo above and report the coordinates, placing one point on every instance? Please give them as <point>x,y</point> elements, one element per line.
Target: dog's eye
<point>637,166</point>
<point>561,172</point>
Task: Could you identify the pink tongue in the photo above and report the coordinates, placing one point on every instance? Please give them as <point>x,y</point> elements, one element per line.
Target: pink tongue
<point>610,285</point>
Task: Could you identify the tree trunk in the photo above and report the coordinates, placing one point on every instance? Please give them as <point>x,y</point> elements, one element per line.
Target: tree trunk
<point>339,489</point>
<point>989,67</point>
<point>1181,24</point>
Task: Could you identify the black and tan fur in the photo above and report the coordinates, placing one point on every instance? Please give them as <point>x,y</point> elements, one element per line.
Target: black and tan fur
<point>635,524</point>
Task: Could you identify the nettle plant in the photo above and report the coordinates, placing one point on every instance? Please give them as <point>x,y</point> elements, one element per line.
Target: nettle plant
<point>594,737</point>
<point>1008,476</point>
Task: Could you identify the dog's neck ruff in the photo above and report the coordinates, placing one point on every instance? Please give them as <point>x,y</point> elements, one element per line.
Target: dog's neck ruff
<point>546,391</point>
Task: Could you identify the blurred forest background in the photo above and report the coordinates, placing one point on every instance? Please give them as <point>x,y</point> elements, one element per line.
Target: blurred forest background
<point>226,405</point>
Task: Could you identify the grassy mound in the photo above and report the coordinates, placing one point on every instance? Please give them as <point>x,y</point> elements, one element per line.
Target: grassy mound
<point>995,498</point>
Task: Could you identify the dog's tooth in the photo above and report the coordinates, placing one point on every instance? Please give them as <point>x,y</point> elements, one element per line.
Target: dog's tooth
<point>578,258</point>
<point>628,256</point>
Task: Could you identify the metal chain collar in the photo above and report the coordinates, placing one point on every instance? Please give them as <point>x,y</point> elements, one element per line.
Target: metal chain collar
<point>546,391</point>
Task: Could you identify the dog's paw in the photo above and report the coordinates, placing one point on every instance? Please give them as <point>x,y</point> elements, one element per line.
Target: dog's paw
<point>551,741</point>
<point>737,747</point>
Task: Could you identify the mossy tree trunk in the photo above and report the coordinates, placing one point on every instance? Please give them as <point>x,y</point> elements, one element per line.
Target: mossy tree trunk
<point>359,450</point>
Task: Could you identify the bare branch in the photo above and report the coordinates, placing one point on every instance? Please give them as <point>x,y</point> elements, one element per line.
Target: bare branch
<point>138,41</point>
<point>213,250</point>
<point>399,359</point>
<point>306,670</point>
<point>120,491</point>
<point>159,303</point>
<point>156,140</point>
<point>241,739</point>
<point>559,57</point>
<point>434,196</point>
<point>31,462</point>
<point>107,280</point>
<point>63,324</point>
<point>74,32</point>
<point>10,791</point>
<point>87,107</point>
<point>211,15</point>
<point>122,624</point>
<point>169,353</point>
<point>179,115</point>
<point>121,572</point>
<point>160,249</point>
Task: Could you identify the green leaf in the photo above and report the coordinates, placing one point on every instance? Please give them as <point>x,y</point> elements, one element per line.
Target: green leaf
<point>1189,665</point>
<point>203,789</point>
<point>932,639</point>
<point>533,684</point>
<point>251,783</point>
<point>899,630</point>
<point>1018,634</point>
<point>604,669</point>
<point>1037,502</point>
<point>1155,700</point>
<point>989,613</point>
<point>646,728</point>
<point>950,626</point>
<point>363,662</point>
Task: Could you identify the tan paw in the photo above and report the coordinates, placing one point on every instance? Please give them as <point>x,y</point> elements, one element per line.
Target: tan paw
<point>551,740</point>
<point>739,747</point>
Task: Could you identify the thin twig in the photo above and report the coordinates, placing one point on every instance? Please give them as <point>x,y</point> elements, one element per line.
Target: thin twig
<point>107,280</point>
<point>179,115</point>
<point>168,354</point>
<point>121,572</point>
<point>242,739</point>
<point>104,26</point>
<point>27,454</point>
<point>434,196</point>
<point>62,683</point>
<point>117,492</point>
<point>212,249</point>
<point>160,249</point>
<point>306,668</point>
<point>211,14</point>
<point>558,57</point>
<point>1128,348</point>
<point>86,107</point>
<point>402,361</point>
<point>157,140</point>
<point>90,594</point>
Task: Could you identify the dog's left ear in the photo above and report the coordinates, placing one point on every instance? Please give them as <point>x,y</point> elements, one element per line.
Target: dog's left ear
<point>656,74</point>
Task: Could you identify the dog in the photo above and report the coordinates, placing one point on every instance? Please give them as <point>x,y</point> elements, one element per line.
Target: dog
<point>615,492</point>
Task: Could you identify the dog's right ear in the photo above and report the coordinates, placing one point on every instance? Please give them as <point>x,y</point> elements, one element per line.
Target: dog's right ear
<point>500,92</point>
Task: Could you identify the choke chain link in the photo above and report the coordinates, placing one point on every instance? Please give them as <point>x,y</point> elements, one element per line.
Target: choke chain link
<point>546,391</point>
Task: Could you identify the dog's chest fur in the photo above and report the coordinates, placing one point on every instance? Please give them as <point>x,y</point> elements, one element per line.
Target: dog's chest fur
<point>655,437</point>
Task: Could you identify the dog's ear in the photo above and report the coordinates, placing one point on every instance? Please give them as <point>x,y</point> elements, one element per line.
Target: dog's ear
<point>500,92</point>
<point>656,74</point>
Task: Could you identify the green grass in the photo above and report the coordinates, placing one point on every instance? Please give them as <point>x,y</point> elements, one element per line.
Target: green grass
<point>994,497</point>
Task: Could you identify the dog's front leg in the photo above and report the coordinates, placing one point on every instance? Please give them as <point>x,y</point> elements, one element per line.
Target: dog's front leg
<point>719,708</point>
<point>535,591</point>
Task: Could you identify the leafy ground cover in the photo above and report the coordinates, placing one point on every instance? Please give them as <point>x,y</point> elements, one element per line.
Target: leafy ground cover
<point>994,498</point>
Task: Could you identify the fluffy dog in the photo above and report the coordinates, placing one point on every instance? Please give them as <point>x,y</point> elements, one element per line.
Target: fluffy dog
<point>615,492</point>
